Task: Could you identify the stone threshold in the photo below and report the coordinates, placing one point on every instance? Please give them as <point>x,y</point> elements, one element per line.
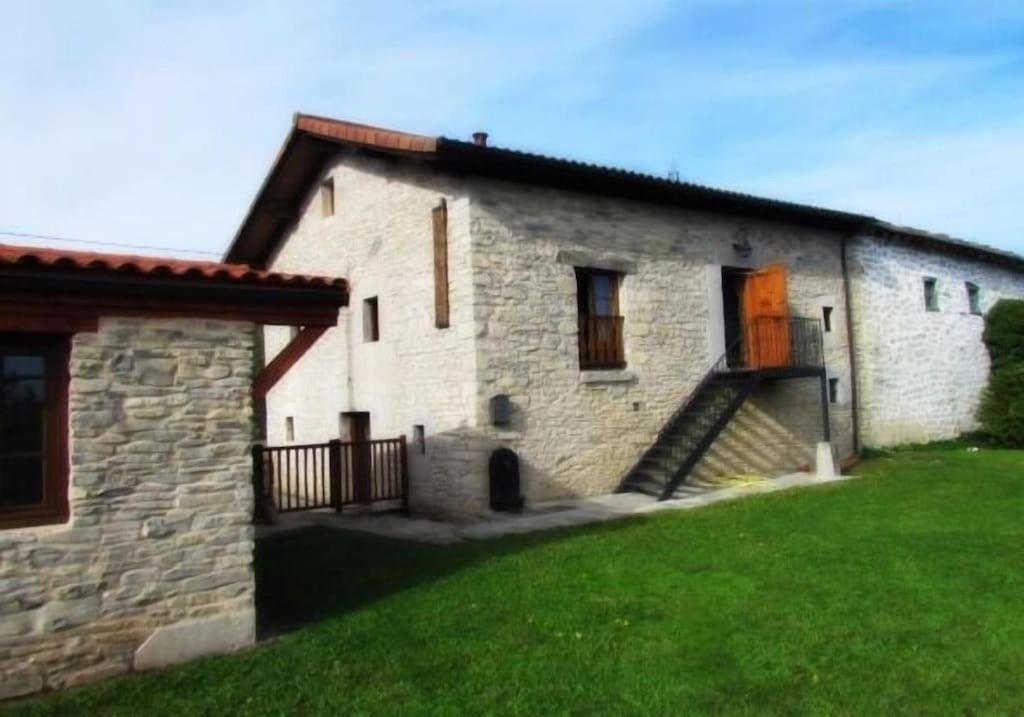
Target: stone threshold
<point>540,516</point>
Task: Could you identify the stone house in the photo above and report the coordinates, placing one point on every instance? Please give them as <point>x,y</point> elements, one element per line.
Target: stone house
<point>574,314</point>
<point>126,420</point>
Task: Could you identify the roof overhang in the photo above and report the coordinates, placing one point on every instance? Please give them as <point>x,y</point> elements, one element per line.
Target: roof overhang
<point>47,289</point>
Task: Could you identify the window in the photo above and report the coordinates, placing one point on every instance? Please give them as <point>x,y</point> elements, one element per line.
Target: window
<point>419,438</point>
<point>826,315</point>
<point>931,294</point>
<point>833,390</point>
<point>440,221</point>
<point>289,429</point>
<point>33,429</point>
<point>597,297</point>
<point>973,298</point>
<point>327,197</point>
<point>371,320</point>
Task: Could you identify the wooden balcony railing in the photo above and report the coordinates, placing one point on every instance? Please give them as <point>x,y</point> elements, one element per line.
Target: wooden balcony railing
<point>601,342</point>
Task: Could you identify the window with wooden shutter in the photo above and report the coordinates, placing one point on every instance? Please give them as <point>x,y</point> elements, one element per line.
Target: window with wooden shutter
<point>440,217</point>
<point>597,298</point>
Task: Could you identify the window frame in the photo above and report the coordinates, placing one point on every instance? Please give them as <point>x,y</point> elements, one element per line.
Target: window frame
<point>586,305</point>
<point>973,298</point>
<point>930,286</point>
<point>56,352</point>
<point>327,197</point>
<point>371,320</point>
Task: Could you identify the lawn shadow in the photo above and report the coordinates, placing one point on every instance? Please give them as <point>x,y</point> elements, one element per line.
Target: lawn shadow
<point>315,573</point>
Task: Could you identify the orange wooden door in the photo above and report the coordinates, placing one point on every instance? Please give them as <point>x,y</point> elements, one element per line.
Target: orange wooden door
<point>766,317</point>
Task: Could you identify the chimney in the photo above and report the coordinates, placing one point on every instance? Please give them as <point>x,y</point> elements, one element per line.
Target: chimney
<point>480,139</point>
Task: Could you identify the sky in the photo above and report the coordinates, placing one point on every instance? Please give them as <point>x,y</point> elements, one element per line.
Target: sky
<point>154,123</point>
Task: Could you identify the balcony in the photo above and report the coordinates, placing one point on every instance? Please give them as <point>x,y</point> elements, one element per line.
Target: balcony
<point>601,343</point>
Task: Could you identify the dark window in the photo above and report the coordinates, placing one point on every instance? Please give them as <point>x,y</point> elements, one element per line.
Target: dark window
<point>327,197</point>
<point>833,390</point>
<point>289,429</point>
<point>33,429</point>
<point>419,438</point>
<point>440,221</point>
<point>826,315</point>
<point>931,294</point>
<point>973,298</point>
<point>597,297</point>
<point>371,320</point>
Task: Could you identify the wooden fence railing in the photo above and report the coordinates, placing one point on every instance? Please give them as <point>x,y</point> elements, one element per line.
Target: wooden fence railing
<point>329,475</point>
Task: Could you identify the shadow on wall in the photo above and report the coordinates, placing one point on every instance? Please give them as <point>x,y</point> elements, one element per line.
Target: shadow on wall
<point>451,481</point>
<point>316,574</point>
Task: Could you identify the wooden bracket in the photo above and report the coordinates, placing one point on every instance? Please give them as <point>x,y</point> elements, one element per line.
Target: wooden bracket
<point>278,367</point>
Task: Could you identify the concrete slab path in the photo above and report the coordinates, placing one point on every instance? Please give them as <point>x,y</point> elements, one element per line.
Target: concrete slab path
<point>540,516</point>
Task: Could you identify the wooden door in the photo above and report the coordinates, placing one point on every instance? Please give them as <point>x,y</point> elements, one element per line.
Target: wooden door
<point>358,430</point>
<point>766,318</point>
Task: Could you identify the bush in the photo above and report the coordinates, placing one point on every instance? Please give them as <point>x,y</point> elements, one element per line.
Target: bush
<point>1004,332</point>
<point>1002,405</point>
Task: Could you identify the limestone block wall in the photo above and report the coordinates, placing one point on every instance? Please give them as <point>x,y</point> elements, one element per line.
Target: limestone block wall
<point>155,563</point>
<point>920,373</point>
<point>578,432</point>
<point>380,239</point>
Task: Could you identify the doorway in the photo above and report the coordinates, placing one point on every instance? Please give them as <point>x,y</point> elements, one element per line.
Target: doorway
<point>733,279</point>
<point>356,430</point>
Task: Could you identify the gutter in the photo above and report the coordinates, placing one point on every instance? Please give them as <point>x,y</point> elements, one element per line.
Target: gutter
<point>855,414</point>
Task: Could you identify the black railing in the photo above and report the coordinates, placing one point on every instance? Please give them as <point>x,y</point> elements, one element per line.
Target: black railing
<point>784,342</point>
<point>329,475</point>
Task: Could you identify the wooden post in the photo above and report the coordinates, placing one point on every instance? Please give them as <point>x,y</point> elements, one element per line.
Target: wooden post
<point>405,474</point>
<point>334,466</point>
<point>259,491</point>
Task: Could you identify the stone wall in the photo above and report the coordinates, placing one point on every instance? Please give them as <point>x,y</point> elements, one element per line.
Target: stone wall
<point>920,373</point>
<point>155,563</point>
<point>577,432</point>
<point>380,238</point>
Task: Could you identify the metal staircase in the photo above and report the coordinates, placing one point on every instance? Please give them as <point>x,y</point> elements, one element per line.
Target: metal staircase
<point>690,431</point>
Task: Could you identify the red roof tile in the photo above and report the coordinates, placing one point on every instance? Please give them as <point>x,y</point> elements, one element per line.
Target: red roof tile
<point>47,258</point>
<point>364,134</point>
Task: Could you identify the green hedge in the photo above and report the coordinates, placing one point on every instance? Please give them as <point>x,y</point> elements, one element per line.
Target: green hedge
<point>1004,332</point>
<point>1002,406</point>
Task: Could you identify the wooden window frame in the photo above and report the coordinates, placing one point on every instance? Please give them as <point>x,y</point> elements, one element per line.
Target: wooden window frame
<point>56,350</point>
<point>614,357</point>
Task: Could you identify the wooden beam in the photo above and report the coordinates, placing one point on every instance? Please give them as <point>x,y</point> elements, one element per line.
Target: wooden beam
<point>279,366</point>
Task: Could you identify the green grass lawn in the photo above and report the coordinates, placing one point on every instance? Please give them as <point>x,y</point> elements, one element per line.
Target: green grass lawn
<point>899,592</point>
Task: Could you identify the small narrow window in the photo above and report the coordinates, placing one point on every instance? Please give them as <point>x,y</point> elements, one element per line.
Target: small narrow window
<point>419,438</point>
<point>833,390</point>
<point>371,320</point>
<point>327,197</point>
<point>440,220</point>
<point>826,315</point>
<point>931,294</point>
<point>289,429</point>
<point>973,298</point>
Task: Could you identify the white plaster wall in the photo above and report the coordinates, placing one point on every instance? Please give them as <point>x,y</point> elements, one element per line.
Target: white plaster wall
<point>380,239</point>
<point>920,373</point>
<point>578,437</point>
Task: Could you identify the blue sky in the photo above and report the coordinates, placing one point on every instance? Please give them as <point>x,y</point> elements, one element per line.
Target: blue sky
<point>154,123</point>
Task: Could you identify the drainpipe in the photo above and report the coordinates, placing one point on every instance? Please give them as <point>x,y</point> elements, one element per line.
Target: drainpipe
<point>852,344</point>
